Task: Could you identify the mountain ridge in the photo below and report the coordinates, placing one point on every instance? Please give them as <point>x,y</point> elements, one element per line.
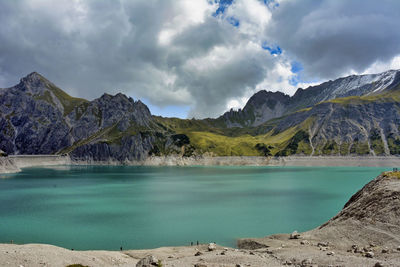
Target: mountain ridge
<point>37,117</point>
<point>353,85</point>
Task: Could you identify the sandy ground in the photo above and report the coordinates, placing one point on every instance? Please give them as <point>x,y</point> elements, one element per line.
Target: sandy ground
<point>47,255</point>
<point>278,250</point>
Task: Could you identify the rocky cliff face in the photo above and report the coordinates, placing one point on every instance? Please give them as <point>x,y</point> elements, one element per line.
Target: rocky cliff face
<point>32,118</point>
<point>264,105</point>
<point>260,108</point>
<point>36,117</point>
<point>359,125</point>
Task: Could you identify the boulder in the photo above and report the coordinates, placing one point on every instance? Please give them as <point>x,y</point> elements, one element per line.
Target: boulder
<point>294,235</point>
<point>148,261</point>
<point>212,247</point>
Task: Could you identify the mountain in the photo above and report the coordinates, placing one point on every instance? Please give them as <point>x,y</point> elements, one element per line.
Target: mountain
<point>264,105</point>
<point>37,117</point>
<point>355,115</point>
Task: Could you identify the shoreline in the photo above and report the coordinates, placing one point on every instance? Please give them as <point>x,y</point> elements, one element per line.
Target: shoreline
<point>14,163</point>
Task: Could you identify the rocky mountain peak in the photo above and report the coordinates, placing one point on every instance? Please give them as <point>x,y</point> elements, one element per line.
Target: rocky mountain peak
<point>33,82</point>
<point>266,97</point>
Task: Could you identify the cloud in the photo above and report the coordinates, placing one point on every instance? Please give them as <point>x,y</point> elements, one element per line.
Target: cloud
<point>336,37</point>
<point>208,55</point>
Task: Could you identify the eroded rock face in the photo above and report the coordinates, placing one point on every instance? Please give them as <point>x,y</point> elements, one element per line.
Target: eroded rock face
<point>371,216</point>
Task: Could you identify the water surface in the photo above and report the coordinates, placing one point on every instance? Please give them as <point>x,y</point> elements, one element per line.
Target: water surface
<point>101,207</point>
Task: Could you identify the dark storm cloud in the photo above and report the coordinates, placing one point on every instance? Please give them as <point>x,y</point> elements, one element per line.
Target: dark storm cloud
<point>333,37</point>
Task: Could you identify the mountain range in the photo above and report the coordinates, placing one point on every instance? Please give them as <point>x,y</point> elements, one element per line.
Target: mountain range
<point>354,115</point>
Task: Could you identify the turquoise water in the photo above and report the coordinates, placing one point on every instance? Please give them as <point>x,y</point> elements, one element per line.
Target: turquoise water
<point>145,207</point>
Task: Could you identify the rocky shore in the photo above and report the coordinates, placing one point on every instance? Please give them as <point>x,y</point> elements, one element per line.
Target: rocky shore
<point>365,233</point>
<point>12,164</point>
<point>351,161</point>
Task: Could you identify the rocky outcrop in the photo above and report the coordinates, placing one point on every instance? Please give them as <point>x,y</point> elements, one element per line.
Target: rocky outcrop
<point>371,216</point>
<point>260,108</point>
<point>31,118</point>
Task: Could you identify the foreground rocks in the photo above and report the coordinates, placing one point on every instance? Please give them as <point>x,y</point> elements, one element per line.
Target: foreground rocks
<point>365,233</point>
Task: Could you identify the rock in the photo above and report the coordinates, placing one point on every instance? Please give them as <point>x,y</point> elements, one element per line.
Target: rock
<point>251,253</point>
<point>306,262</point>
<point>288,263</point>
<point>398,248</point>
<point>330,253</point>
<point>323,244</point>
<point>212,247</point>
<point>294,235</point>
<point>378,264</point>
<point>198,253</point>
<point>369,254</point>
<point>223,253</point>
<point>148,261</point>
<point>385,250</point>
<point>304,242</point>
<point>200,265</point>
<point>239,265</point>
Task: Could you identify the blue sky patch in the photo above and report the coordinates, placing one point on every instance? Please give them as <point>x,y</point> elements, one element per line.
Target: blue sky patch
<point>235,22</point>
<point>294,80</point>
<point>273,50</point>
<point>167,111</point>
<point>296,67</point>
<point>222,5</point>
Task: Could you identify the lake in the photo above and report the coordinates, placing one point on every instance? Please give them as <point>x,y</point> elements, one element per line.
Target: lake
<point>103,207</point>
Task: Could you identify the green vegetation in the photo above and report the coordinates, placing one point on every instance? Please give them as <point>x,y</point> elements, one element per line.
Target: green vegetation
<point>387,97</point>
<point>68,102</point>
<point>77,265</point>
<point>392,174</point>
<point>264,149</point>
<point>293,145</point>
<point>330,148</point>
<point>359,148</point>
<point>344,148</point>
<point>394,145</point>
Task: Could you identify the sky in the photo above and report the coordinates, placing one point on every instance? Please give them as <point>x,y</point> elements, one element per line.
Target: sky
<point>195,58</point>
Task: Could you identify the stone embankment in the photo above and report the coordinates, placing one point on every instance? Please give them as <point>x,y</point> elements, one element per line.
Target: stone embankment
<point>14,163</point>
<point>350,161</point>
